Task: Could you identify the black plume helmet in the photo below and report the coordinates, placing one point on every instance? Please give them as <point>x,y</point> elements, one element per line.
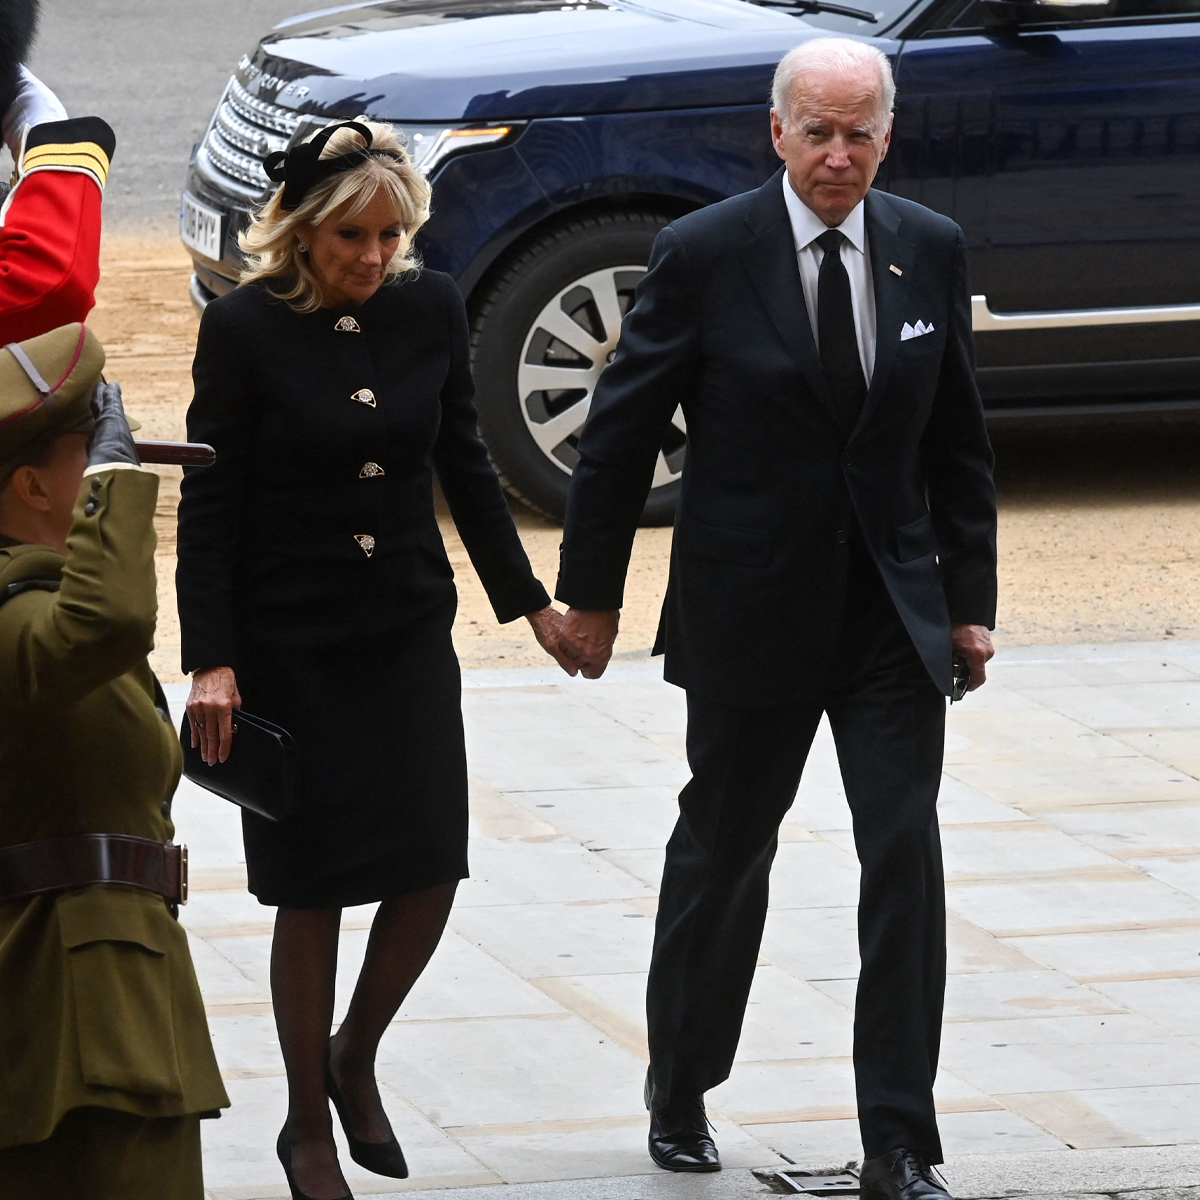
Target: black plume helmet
<point>302,167</point>
<point>18,24</point>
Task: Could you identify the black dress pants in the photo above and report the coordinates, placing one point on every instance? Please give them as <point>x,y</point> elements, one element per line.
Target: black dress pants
<point>888,722</point>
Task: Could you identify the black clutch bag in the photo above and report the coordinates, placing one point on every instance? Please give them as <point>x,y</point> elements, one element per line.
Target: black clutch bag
<point>260,773</point>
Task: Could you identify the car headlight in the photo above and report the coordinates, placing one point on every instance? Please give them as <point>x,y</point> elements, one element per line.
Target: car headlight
<point>430,145</point>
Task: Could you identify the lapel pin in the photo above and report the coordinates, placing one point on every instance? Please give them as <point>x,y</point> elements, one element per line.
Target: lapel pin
<point>895,269</point>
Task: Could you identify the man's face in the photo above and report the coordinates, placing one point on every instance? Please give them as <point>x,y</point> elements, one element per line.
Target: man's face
<point>38,501</point>
<point>833,141</point>
<point>61,476</point>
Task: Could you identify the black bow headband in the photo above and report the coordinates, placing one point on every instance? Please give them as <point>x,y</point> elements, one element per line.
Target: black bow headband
<point>301,167</point>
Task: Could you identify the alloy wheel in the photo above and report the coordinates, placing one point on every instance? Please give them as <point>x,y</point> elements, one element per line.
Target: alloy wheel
<point>569,344</point>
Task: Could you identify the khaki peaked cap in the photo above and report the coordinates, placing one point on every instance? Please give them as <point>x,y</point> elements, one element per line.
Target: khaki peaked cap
<point>51,392</point>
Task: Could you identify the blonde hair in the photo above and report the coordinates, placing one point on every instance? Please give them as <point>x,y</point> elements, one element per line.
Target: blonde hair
<point>271,241</point>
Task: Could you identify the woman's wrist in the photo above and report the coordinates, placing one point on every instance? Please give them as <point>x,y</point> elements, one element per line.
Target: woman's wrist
<point>210,678</point>
<point>542,617</point>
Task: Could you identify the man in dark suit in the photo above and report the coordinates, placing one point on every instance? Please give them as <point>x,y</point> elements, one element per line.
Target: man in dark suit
<point>835,552</point>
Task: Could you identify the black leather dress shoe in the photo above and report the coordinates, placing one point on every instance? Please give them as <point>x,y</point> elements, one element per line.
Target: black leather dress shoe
<point>679,1137</point>
<point>901,1175</point>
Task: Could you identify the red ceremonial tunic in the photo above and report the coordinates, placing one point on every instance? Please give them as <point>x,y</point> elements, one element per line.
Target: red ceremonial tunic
<point>50,227</point>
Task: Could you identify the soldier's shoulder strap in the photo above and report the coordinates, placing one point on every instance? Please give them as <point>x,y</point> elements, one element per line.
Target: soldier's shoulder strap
<point>29,585</point>
<point>28,568</point>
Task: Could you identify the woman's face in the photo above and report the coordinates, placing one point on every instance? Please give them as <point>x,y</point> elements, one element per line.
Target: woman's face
<point>350,255</point>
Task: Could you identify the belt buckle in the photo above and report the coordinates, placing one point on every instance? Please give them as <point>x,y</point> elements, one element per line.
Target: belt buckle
<point>183,875</point>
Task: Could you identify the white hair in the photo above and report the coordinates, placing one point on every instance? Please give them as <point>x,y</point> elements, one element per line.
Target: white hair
<point>827,55</point>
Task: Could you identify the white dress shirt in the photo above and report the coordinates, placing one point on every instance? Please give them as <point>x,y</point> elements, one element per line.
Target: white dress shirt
<point>806,228</point>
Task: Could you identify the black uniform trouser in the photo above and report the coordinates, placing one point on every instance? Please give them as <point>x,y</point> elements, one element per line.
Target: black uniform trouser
<point>888,722</point>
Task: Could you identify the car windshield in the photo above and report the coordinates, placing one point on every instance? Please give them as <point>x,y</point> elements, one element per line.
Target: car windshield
<point>885,12</point>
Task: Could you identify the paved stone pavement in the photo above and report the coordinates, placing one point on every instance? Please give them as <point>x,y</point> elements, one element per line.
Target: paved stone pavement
<point>1071,1053</point>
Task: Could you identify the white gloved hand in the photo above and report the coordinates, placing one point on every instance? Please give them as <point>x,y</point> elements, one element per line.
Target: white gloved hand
<point>34,105</point>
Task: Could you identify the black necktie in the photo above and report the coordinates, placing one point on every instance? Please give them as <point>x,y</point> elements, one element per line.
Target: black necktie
<point>835,329</point>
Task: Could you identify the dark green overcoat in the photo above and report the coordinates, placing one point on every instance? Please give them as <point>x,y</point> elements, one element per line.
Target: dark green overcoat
<point>100,1001</point>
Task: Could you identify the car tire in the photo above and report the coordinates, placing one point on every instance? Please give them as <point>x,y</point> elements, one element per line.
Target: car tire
<point>551,316</point>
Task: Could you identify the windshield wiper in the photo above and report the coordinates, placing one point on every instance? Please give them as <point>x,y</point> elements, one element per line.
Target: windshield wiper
<point>819,6</point>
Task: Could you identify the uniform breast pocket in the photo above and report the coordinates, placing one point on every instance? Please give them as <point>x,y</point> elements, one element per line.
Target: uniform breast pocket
<point>120,974</point>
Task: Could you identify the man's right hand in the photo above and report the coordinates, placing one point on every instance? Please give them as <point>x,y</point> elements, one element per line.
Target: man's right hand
<point>587,638</point>
<point>210,708</point>
<point>112,439</point>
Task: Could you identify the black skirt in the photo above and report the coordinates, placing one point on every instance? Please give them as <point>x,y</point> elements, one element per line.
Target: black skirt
<point>383,789</point>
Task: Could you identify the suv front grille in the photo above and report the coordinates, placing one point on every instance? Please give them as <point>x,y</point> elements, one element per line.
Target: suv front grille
<point>243,131</point>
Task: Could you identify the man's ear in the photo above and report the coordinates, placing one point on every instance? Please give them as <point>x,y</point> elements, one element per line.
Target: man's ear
<point>887,136</point>
<point>28,487</point>
<point>777,132</point>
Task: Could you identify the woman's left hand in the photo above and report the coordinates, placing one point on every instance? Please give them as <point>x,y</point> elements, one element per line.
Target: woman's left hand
<point>546,623</point>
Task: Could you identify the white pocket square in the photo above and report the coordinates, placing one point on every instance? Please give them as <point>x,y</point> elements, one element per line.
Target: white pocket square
<point>920,329</point>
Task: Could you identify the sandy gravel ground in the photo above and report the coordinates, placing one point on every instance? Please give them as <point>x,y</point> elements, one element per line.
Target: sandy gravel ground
<point>1099,529</point>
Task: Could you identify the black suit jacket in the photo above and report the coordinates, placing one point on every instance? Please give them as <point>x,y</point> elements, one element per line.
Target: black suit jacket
<point>772,485</point>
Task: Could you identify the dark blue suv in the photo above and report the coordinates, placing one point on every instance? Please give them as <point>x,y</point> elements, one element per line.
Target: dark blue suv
<point>1063,135</point>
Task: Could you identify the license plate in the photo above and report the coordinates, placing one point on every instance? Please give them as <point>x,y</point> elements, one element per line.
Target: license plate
<point>201,228</point>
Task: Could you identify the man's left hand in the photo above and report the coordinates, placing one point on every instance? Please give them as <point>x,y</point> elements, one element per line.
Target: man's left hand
<point>973,644</point>
<point>587,639</point>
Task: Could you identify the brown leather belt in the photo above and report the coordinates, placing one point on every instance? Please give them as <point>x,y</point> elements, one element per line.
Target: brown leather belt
<point>65,864</point>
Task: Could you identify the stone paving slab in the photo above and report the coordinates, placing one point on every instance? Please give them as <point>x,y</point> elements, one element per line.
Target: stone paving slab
<point>1071,1052</point>
<point>1158,1173</point>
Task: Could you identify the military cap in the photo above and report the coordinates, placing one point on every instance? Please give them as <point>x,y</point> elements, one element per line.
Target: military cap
<point>46,386</point>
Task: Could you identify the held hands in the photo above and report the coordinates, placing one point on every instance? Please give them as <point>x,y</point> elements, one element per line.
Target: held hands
<point>586,639</point>
<point>210,708</point>
<point>973,644</point>
<point>547,624</point>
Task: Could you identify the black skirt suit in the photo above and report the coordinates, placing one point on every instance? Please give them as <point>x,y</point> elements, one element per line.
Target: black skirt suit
<point>311,563</point>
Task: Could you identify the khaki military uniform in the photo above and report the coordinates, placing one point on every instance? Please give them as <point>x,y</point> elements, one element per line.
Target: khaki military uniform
<point>103,1025</point>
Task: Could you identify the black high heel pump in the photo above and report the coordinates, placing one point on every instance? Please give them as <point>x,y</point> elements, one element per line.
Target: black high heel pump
<point>284,1149</point>
<point>383,1158</point>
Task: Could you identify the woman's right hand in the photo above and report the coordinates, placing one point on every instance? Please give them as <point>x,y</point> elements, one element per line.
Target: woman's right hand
<point>210,708</point>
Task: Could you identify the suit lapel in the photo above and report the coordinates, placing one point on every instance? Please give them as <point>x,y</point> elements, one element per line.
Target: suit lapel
<point>770,260</point>
<point>886,250</point>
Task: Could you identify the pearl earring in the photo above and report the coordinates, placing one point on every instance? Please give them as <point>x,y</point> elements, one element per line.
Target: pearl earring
<point>302,247</point>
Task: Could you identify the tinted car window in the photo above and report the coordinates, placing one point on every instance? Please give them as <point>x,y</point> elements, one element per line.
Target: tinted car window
<point>975,15</point>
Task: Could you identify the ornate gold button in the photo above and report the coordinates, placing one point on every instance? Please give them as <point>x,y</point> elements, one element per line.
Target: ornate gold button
<point>364,396</point>
<point>347,325</point>
<point>370,470</point>
<point>366,543</point>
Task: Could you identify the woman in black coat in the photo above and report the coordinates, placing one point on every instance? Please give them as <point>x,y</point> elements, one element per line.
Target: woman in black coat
<point>314,588</point>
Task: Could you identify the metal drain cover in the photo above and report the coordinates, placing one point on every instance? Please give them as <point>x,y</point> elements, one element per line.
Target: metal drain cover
<point>816,1185</point>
